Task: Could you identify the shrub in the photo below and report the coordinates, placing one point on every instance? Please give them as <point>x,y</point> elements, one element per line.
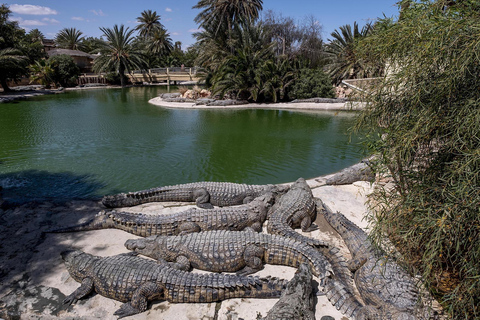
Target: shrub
<point>65,71</point>
<point>312,83</point>
<point>428,109</point>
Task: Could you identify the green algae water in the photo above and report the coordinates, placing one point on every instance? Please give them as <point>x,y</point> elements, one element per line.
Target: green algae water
<point>85,144</point>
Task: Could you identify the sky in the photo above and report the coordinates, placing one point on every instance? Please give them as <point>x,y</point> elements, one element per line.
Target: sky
<point>50,16</point>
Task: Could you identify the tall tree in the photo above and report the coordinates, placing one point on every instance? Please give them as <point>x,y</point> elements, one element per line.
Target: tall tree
<point>343,61</point>
<point>36,35</point>
<point>118,53</point>
<point>69,38</point>
<point>223,15</point>
<point>13,63</point>
<point>160,42</point>
<point>149,23</point>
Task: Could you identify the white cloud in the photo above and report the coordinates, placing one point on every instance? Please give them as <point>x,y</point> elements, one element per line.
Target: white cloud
<point>98,13</point>
<point>22,23</point>
<point>50,20</point>
<point>175,33</point>
<point>195,30</point>
<point>168,9</point>
<point>78,18</point>
<point>31,9</point>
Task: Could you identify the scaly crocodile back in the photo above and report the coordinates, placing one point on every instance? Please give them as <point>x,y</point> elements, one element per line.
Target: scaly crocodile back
<point>382,283</point>
<point>224,251</point>
<point>289,212</point>
<point>118,277</point>
<point>235,218</point>
<point>220,194</point>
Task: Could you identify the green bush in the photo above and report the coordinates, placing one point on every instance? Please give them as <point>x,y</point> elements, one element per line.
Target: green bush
<point>428,111</point>
<point>312,83</point>
<point>65,71</point>
<point>113,78</point>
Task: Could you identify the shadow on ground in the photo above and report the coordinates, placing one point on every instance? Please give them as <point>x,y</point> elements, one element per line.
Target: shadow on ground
<point>34,202</point>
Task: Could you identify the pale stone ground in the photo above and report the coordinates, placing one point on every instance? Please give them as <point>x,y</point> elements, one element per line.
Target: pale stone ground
<point>282,106</point>
<point>34,280</point>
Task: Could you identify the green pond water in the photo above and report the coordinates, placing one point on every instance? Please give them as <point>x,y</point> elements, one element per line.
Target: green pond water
<point>85,144</point>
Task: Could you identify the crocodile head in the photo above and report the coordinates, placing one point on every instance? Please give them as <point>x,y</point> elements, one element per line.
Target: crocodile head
<point>154,247</point>
<point>77,262</point>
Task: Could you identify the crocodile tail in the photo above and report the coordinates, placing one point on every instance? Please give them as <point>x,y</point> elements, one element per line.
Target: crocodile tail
<point>151,195</point>
<point>283,229</point>
<point>339,289</point>
<point>102,220</point>
<point>260,288</point>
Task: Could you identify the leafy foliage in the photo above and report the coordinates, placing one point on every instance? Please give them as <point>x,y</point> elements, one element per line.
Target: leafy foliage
<point>69,38</point>
<point>148,23</point>
<point>428,109</point>
<point>65,71</point>
<point>43,72</point>
<point>312,83</point>
<point>118,53</point>
<point>343,61</point>
<point>13,63</point>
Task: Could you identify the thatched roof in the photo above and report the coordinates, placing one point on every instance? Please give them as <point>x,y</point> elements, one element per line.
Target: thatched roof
<point>72,53</point>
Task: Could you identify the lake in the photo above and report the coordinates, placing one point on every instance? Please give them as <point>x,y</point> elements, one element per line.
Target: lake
<point>85,144</point>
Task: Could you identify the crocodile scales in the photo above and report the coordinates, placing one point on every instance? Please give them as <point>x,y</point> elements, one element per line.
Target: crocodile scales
<point>296,208</point>
<point>204,194</point>
<point>383,285</point>
<point>230,251</point>
<point>251,215</point>
<point>136,281</point>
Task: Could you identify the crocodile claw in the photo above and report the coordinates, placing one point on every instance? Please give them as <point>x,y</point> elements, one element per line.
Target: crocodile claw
<point>126,310</point>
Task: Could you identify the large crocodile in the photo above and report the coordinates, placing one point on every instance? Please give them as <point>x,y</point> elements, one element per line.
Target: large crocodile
<point>383,284</point>
<point>251,215</point>
<point>204,194</point>
<point>243,252</point>
<point>296,208</point>
<point>136,281</point>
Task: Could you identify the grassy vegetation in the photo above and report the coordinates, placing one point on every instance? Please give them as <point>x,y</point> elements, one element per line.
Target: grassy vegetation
<point>428,109</point>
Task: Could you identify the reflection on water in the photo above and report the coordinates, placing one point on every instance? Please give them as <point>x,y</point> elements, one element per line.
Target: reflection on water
<point>90,143</point>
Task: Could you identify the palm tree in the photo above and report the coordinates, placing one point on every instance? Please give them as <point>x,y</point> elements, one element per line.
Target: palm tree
<point>42,71</point>
<point>118,53</point>
<point>149,23</point>
<point>69,38</point>
<point>224,14</point>
<point>343,62</point>
<point>36,35</point>
<point>11,64</point>
<point>160,42</point>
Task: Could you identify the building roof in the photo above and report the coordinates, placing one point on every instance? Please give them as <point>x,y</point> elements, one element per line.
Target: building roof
<point>72,53</point>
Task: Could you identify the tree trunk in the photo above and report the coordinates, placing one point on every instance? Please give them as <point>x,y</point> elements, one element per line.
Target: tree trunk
<point>3,83</point>
<point>121,71</point>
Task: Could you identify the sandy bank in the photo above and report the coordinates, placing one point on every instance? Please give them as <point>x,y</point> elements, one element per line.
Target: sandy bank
<point>282,105</point>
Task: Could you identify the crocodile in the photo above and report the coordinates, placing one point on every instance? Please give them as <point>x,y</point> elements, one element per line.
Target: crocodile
<point>296,208</point>
<point>382,284</point>
<point>251,215</point>
<point>297,300</point>
<point>136,281</point>
<point>204,194</point>
<point>230,251</point>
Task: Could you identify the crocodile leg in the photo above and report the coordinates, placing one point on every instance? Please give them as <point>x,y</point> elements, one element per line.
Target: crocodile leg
<point>182,263</point>
<point>257,227</point>
<point>85,288</point>
<point>202,198</point>
<point>188,227</point>
<point>147,291</point>
<point>307,225</point>
<point>355,264</point>
<point>253,259</point>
